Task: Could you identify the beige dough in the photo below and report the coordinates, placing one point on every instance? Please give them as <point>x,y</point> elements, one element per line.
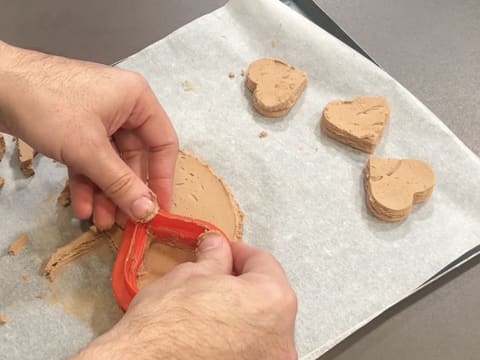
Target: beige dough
<point>25,155</point>
<point>2,146</point>
<point>392,186</point>
<point>358,123</point>
<point>64,199</point>
<point>18,244</point>
<point>275,85</point>
<point>79,246</point>
<point>198,193</point>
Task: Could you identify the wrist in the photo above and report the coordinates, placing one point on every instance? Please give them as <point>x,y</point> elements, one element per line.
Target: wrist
<point>126,342</point>
<point>17,79</point>
<point>7,85</point>
<point>110,345</point>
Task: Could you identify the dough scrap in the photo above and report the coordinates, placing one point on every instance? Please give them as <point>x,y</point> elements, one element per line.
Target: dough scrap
<point>392,186</point>
<point>3,147</point>
<point>64,199</point>
<point>358,123</point>
<point>262,134</point>
<point>2,182</point>
<point>18,244</point>
<point>81,245</point>
<point>25,155</point>
<point>3,319</point>
<point>187,85</point>
<point>275,85</point>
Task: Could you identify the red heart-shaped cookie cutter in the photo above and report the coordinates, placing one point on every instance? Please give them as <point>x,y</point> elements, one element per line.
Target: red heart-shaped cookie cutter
<point>175,230</point>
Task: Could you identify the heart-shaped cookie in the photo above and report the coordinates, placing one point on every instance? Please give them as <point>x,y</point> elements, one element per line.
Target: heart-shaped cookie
<point>392,186</point>
<point>358,123</point>
<point>275,85</point>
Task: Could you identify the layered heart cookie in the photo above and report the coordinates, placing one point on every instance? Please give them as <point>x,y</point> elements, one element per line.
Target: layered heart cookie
<point>358,123</point>
<point>275,85</point>
<point>392,186</point>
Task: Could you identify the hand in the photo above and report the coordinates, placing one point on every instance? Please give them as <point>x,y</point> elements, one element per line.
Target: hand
<point>200,311</point>
<point>69,110</point>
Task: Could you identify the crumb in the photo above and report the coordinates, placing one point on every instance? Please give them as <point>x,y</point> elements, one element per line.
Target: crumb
<point>3,319</point>
<point>2,146</point>
<point>231,74</point>
<point>25,276</point>
<point>18,244</point>
<point>274,43</point>
<point>262,134</point>
<point>64,199</point>
<point>242,72</point>
<point>187,85</point>
<point>39,296</point>
<point>2,182</point>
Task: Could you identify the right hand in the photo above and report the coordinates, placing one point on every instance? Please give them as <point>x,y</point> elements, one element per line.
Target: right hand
<point>201,311</point>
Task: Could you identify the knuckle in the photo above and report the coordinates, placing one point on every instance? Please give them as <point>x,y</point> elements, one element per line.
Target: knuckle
<point>120,186</point>
<point>186,269</point>
<point>175,142</point>
<point>136,79</point>
<point>268,258</point>
<point>282,297</point>
<point>130,155</point>
<point>291,301</point>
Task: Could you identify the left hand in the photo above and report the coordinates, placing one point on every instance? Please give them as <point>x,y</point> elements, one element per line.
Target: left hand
<point>69,110</point>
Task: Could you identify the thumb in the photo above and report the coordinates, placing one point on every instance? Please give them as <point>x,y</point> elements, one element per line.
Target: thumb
<point>214,254</point>
<point>118,181</point>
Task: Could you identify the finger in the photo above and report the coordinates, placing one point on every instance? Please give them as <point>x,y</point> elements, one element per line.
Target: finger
<point>132,151</point>
<point>250,260</point>
<point>121,218</point>
<point>114,177</point>
<point>103,211</point>
<point>81,193</point>
<point>214,255</point>
<point>154,128</point>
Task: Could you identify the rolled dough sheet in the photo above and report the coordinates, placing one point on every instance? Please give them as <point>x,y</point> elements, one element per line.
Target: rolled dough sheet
<point>198,193</point>
<point>201,194</point>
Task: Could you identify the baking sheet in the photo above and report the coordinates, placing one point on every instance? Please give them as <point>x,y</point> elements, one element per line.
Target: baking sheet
<point>302,193</point>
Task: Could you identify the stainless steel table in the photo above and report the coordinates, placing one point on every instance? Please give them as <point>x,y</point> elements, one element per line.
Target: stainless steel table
<point>432,47</point>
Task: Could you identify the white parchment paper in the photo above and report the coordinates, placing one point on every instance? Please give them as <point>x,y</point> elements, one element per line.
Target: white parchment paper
<point>301,192</point>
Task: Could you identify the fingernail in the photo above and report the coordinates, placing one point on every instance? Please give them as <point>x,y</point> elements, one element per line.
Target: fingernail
<point>143,209</point>
<point>209,241</point>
